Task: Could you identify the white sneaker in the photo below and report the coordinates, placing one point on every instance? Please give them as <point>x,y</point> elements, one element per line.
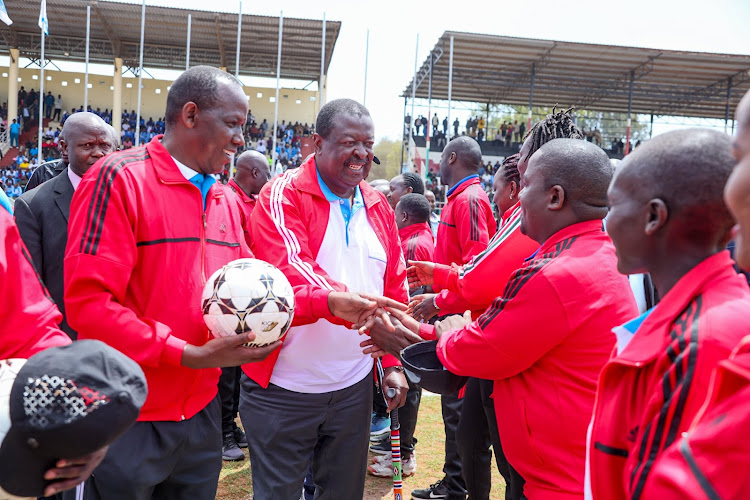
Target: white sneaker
<point>383,466</point>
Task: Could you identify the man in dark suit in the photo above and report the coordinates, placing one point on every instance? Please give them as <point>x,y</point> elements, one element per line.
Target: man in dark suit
<point>42,213</point>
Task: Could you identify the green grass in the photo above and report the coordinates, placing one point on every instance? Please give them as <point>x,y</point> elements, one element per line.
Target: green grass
<point>235,481</point>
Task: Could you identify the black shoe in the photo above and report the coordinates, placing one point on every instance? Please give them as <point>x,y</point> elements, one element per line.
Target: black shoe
<point>437,490</point>
<point>240,438</point>
<point>381,448</point>
<point>229,449</point>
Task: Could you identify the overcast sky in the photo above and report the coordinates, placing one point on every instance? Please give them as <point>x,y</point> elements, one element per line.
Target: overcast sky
<point>709,26</point>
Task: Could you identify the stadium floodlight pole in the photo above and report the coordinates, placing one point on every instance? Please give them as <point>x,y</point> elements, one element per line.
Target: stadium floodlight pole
<point>367,55</point>
<point>278,77</point>
<point>423,173</point>
<point>239,36</point>
<point>531,95</point>
<point>86,77</point>
<point>41,104</point>
<point>729,99</point>
<point>450,86</point>
<point>413,97</point>
<point>322,65</point>
<point>187,47</point>
<point>630,106</point>
<point>140,77</point>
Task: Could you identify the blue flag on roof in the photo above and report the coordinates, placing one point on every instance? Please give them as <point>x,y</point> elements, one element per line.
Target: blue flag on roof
<point>4,14</point>
<point>43,18</point>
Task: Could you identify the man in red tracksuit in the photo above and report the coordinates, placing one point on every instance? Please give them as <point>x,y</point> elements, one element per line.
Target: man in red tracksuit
<point>712,458</point>
<point>30,320</point>
<point>252,173</point>
<point>412,217</point>
<point>148,226</point>
<point>469,288</point>
<point>546,338</point>
<point>466,225</point>
<point>325,227</point>
<point>667,218</point>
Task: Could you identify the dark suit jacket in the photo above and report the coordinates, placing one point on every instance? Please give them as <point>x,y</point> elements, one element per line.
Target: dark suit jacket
<point>42,218</point>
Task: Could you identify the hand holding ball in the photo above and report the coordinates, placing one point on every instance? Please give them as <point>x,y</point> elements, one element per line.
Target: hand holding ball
<point>248,295</point>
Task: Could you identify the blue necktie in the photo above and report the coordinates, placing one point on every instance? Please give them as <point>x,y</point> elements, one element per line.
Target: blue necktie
<point>203,182</point>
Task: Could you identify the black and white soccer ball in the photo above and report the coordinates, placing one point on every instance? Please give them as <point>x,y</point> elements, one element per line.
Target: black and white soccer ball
<point>248,295</point>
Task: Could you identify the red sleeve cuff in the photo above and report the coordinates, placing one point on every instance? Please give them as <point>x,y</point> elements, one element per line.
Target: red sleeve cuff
<point>440,275</point>
<point>390,360</point>
<point>427,331</point>
<point>319,303</point>
<point>173,348</point>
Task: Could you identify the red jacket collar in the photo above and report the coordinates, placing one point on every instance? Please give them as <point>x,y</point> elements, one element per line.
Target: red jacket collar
<point>307,180</point>
<point>589,226</point>
<point>246,198</point>
<point>463,186</point>
<point>421,227</point>
<point>651,337</point>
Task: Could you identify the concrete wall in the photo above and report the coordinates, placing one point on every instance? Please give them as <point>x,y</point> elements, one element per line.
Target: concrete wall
<point>294,104</point>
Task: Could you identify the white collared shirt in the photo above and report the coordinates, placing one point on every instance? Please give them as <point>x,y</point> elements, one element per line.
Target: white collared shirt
<point>75,179</point>
<point>188,172</point>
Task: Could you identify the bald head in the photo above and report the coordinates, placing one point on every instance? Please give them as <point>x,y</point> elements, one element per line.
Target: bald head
<point>253,172</point>
<point>461,157</point>
<point>687,169</point>
<point>582,169</point>
<point>85,139</point>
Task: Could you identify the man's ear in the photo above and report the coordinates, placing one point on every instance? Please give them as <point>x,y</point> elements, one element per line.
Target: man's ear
<point>656,216</point>
<point>404,216</point>
<point>63,145</point>
<point>556,197</point>
<point>317,143</point>
<point>189,114</point>
<point>255,172</point>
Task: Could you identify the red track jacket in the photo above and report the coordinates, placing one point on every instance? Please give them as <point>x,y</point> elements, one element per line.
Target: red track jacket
<point>712,460</point>
<point>30,317</point>
<point>504,254</point>
<point>288,225</point>
<point>544,342</point>
<point>246,204</point>
<point>652,391</point>
<point>466,226</point>
<point>417,242</point>
<point>140,249</point>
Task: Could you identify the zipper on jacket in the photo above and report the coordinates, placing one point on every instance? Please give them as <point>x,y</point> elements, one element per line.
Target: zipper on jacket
<point>203,250</point>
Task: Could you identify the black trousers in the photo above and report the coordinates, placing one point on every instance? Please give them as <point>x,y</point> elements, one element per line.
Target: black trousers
<point>229,393</point>
<point>284,428</point>
<point>162,460</point>
<point>454,481</point>
<point>477,429</point>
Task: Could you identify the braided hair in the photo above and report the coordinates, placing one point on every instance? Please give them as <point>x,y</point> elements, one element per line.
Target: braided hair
<point>558,125</point>
<point>510,169</point>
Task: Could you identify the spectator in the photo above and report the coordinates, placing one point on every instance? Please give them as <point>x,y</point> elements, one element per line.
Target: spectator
<point>49,103</point>
<point>15,132</point>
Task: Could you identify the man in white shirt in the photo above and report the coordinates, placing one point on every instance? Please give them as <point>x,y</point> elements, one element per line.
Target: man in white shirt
<point>42,213</point>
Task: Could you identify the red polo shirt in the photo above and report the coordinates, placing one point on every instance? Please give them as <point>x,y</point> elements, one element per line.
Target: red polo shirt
<point>544,342</point>
<point>417,242</point>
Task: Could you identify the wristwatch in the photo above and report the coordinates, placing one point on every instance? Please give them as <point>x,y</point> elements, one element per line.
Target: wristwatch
<point>434,303</point>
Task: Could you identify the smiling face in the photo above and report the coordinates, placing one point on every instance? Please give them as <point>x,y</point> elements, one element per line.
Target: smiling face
<point>344,158</point>
<point>220,129</point>
<point>737,190</point>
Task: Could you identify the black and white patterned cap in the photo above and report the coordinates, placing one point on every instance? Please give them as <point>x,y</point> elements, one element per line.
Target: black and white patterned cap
<point>64,402</point>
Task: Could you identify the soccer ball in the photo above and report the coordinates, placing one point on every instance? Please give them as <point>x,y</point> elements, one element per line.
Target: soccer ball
<point>248,295</point>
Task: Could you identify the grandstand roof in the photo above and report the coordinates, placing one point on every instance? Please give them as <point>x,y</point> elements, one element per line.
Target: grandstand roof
<point>115,32</point>
<point>492,69</point>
